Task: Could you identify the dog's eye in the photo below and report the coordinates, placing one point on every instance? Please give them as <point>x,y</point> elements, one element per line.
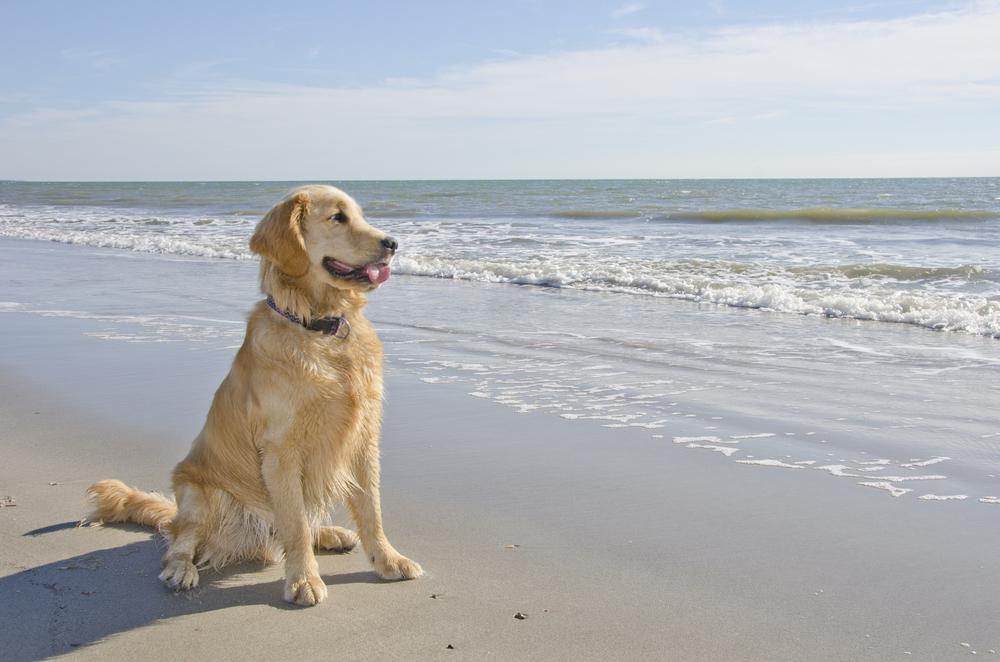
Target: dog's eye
<point>339,217</point>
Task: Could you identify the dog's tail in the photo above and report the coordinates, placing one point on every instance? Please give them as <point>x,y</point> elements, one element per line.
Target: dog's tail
<point>114,501</point>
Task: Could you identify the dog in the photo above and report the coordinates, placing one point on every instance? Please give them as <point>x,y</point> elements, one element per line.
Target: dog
<point>294,428</point>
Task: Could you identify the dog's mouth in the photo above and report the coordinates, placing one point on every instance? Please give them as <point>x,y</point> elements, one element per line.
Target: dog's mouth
<point>375,273</point>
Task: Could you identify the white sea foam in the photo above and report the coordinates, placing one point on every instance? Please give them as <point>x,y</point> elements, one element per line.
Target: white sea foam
<point>943,497</point>
<point>688,440</point>
<point>770,463</point>
<point>926,463</point>
<point>194,245</point>
<point>900,479</point>
<point>725,450</point>
<point>719,283</point>
<point>888,487</point>
<point>837,470</point>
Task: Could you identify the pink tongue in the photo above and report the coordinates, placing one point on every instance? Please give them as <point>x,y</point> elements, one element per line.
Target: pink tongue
<point>377,273</point>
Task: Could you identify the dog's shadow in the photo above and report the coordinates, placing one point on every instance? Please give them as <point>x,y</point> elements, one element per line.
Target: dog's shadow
<point>58,607</point>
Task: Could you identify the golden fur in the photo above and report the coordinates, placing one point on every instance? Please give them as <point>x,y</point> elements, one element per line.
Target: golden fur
<point>294,427</point>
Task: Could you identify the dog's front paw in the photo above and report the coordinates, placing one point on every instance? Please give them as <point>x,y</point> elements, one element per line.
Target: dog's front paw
<point>179,574</point>
<point>396,566</point>
<point>306,590</point>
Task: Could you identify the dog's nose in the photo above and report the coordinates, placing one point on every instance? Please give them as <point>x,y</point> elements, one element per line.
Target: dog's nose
<point>390,243</point>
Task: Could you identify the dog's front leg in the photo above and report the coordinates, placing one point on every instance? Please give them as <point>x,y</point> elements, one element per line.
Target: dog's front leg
<point>366,508</point>
<point>282,471</point>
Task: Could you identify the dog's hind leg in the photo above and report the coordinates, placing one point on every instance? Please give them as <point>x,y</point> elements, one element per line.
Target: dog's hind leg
<point>179,570</point>
<point>335,539</point>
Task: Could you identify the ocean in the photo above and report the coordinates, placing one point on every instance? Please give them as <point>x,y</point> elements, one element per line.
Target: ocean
<point>846,328</point>
<point>917,251</point>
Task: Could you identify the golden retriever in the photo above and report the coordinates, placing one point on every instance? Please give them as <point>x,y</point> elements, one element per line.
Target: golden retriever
<point>294,427</point>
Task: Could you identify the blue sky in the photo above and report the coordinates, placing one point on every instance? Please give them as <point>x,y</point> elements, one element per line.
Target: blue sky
<point>327,90</point>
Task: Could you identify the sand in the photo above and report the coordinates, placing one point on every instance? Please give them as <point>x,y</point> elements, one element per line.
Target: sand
<point>612,544</point>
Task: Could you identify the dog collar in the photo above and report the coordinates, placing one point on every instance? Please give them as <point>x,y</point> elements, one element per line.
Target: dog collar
<point>338,327</point>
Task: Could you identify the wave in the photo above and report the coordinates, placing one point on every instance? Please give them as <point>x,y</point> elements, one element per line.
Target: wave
<point>596,214</point>
<point>927,296</point>
<point>899,272</point>
<point>808,214</point>
<point>834,215</point>
<point>160,244</point>
<point>973,314</point>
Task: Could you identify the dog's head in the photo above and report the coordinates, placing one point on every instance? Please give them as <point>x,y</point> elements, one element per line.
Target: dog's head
<point>319,233</point>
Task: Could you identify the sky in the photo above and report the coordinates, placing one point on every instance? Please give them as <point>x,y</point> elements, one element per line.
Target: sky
<point>514,90</point>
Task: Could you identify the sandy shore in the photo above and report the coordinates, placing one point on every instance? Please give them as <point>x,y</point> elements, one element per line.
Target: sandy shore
<point>614,545</point>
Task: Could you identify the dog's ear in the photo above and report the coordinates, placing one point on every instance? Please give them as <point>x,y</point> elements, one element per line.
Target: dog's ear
<point>278,236</point>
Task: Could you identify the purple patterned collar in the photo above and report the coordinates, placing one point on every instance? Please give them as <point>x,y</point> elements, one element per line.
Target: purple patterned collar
<point>338,327</point>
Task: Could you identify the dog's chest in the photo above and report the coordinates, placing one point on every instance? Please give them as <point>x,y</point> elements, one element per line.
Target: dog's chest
<point>354,363</point>
<point>314,386</point>
<point>343,376</point>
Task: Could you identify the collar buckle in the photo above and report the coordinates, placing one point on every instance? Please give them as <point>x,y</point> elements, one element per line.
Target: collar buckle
<point>338,327</point>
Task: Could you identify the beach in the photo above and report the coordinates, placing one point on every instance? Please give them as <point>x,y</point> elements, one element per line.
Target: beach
<point>614,545</point>
<point>641,468</point>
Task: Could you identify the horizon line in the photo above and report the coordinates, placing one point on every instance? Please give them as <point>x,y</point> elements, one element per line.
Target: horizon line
<point>475,179</point>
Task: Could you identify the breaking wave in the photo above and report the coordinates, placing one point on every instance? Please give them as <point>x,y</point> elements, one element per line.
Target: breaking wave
<point>831,215</point>
<point>835,215</point>
<point>218,246</point>
<point>767,288</point>
<point>950,293</point>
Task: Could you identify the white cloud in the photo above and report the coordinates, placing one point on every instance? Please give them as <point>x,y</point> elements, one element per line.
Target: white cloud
<point>769,115</point>
<point>622,110</point>
<point>628,9</point>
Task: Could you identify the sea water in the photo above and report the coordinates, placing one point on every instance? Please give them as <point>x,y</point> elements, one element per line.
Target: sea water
<point>846,328</point>
<point>915,251</point>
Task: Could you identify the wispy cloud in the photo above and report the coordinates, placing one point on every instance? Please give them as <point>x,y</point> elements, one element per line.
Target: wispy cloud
<point>628,9</point>
<point>96,59</point>
<point>724,119</point>
<point>652,35</point>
